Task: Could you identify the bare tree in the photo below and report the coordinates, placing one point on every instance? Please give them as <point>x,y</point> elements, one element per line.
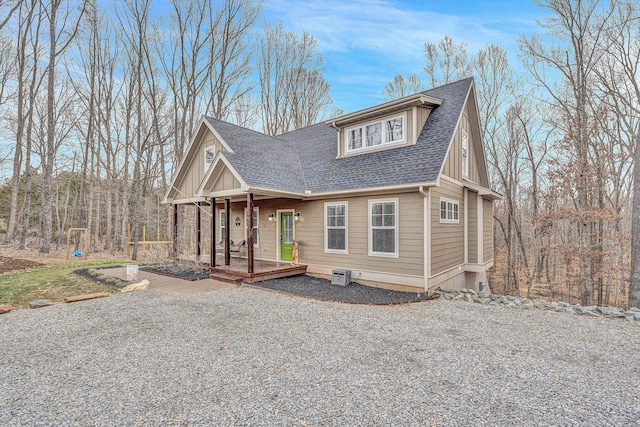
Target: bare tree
<point>446,62</point>
<point>64,21</point>
<point>8,8</point>
<point>401,86</point>
<point>293,91</point>
<point>28,80</point>
<point>579,26</point>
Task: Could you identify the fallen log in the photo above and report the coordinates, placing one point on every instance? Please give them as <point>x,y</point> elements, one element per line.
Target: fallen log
<point>87,296</point>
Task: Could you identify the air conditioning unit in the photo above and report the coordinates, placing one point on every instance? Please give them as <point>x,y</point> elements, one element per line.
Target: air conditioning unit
<point>341,277</point>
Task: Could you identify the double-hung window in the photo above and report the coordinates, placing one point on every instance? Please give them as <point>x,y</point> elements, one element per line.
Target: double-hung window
<point>383,227</point>
<point>449,211</point>
<point>335,227</point>
<point>376,133</point>
<point>256,235</point>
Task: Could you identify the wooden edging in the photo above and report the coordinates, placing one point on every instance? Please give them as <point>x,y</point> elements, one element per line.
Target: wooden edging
<point>87,296</point>
<point>248,285</point>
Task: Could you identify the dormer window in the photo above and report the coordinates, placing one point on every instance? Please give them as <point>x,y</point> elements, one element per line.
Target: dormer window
<point>376,133</point>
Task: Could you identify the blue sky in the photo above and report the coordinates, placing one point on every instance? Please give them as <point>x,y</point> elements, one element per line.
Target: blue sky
<point>366,42</point>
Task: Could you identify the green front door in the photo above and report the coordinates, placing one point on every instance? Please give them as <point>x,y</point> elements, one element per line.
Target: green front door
<point>286,236</point>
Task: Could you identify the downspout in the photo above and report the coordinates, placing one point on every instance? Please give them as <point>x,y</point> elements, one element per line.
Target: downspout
<point>426,241</point>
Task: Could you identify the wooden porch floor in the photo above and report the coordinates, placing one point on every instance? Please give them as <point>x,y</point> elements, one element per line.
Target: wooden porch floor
<point>237,270</point>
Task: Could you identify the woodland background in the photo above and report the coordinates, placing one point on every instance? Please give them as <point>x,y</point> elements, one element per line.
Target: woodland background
<point>97,105</point>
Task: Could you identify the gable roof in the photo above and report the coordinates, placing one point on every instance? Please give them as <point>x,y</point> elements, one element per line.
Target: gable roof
<point>304,161</point>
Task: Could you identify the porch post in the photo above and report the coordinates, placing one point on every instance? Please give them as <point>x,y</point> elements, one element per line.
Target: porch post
<point>175,231</point>
<point>250,233</point>
<point>227,225</point>
<point>212,261</point>
<point>198,232</point>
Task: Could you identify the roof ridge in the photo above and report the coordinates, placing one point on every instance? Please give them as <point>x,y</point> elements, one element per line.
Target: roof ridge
<point>245,129</point>
<point>448,84</point>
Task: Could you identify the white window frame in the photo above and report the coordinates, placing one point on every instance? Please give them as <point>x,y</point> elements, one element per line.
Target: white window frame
<point>207,165</point>
<point>383,135</point>
<point>346,228</point>
<point>255,225</point>
<point>453,208</point>
<point>396,227</point>
<point>465,153</point>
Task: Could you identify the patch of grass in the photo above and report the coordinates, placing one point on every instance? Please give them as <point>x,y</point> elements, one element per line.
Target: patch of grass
<point>55,281</point>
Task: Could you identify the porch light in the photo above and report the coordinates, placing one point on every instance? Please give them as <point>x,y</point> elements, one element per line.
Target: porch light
<point>271,217</point>
<point>297,216</point>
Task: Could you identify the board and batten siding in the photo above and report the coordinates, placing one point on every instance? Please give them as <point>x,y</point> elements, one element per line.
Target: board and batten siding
<point>453,163</point>
<point>226,181</point>
<point>193,177</point>
<point>472,231</point>
<point>487,229</point>
<point>447,240</point>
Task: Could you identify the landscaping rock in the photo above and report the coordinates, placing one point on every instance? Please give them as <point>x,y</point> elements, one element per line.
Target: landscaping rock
<point>5,308</point>
<point>142,286</point>
<point>512,301</point>
<point>37,303</point>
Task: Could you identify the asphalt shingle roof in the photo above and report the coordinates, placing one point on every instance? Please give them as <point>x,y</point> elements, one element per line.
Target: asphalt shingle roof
<point>305,159</point>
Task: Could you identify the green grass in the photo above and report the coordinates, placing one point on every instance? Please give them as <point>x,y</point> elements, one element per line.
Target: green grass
<point>55,281</point>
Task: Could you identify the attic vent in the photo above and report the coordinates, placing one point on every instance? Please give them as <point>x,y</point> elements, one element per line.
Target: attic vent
<point>341,277</point>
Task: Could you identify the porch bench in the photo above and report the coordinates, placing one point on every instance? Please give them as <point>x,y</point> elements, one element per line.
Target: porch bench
<point>232,246</point>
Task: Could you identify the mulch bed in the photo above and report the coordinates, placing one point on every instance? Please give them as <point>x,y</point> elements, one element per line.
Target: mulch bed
<point>180,271</point>
<point>355,293</point>
<point>105,279</point>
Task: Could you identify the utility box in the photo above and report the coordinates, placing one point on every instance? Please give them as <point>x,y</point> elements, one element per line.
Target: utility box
<point>341,277</point>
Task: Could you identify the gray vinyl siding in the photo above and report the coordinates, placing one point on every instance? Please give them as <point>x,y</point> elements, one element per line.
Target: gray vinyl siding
<point>447,240</point>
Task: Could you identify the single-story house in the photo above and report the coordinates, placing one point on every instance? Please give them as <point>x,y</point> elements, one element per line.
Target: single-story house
<point>397,194</point>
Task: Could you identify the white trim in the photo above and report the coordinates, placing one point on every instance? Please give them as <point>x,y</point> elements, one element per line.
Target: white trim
<point>371,276</point>
<point>480,227</point>
<point>426,234</point>
<point>373,190</point>
<point>217,135</point>
<point>346,229</point>
<point>416,131</point>
<point>396,253</point>
<point>465,191</point>
<point>186,201</point>
<point>466,98</point>
<point>278,212</point>
<point>464,137</point>
<point>206,149</point>
<point>395,105</point>
<point>256,225</point>
<point>454,204</point>
<point>207,177</point>
<point>383,134</point>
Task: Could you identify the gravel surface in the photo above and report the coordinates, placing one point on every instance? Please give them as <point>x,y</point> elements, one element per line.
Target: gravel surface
<point>308,286</point>
<point>242,356</point>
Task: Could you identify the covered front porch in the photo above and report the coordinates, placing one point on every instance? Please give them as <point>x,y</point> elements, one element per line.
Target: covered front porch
<point>246,247</point>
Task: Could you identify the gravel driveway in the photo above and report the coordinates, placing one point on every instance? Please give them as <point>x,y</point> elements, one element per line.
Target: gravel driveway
<point>247,357</point>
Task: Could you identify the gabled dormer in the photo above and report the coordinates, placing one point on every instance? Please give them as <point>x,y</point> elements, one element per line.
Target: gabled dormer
<point>390,125</point>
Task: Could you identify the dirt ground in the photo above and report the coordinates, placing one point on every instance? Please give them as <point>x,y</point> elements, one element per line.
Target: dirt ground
<point>8,264</point>
<point>13,259</point>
